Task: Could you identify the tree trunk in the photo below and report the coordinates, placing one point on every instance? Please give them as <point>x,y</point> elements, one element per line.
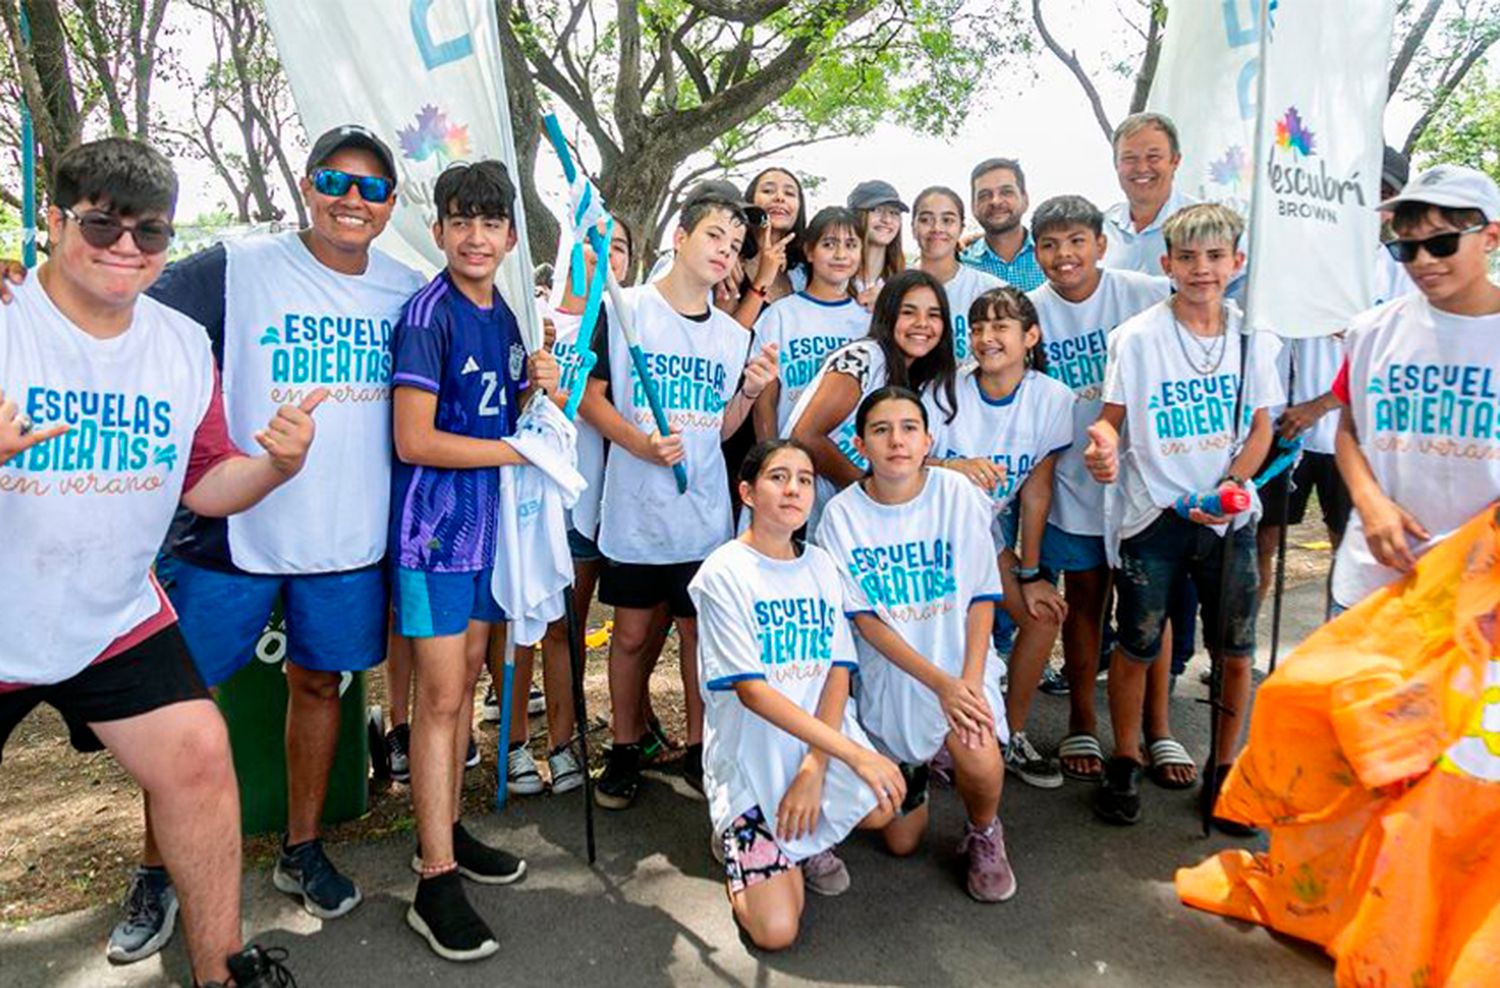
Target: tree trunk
<point>526,120</point>
<point>47,80</point>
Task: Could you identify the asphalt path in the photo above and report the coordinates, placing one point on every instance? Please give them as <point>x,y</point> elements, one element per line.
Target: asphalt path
<point>1095,907</point>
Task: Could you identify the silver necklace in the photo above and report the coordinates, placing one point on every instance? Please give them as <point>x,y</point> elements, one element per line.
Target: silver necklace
<point>1212,353</point>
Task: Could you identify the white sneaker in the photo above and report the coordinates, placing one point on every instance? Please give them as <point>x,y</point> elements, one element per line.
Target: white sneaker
<point>521,775</point>
<point>565,771</point>
<point>536,703</point>
<point>489,707</point>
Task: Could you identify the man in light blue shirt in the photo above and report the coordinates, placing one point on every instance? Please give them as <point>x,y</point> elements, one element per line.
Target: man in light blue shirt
<point>1147,154</point>
<point>997,190</point>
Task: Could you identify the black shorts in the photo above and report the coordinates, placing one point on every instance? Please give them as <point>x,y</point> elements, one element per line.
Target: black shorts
<point>646,585</point>
<point>154,674</point>
<point>1316,471</point>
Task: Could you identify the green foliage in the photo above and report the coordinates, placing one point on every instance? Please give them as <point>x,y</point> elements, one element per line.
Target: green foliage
<point>1466,130</point>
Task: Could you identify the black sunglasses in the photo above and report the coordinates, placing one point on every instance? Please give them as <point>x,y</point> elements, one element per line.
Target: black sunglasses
<point>372,188</point>
<point>101,230</point>
<point>1442,245</point>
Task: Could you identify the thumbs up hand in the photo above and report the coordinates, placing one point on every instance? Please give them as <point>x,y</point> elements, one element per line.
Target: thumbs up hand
<point>1102,455</point>
<point>288,436</point>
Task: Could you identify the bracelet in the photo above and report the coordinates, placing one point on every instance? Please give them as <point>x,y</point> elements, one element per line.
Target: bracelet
<point>762,292</point>
<point>1027,574</point>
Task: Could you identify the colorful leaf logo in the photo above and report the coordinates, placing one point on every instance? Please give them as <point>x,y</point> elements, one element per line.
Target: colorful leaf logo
<point>1232,169</point>
<point>433,135</point>
<point>1293,135</point>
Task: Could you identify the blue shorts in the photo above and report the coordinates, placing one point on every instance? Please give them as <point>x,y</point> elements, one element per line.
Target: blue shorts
<point>1062,552</point>
<point>434,605</point>
<point>335,622</point>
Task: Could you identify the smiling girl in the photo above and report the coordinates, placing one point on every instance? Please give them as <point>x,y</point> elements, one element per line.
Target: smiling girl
<point>877,209</point>
<point>1012,422</point>
<point>907,346</point>
<point>937,222</point>
<point>811,324</point>
<point>788,771</point>
<point>913,545</point>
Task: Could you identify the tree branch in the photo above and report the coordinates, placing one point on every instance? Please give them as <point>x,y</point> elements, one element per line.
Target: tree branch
<point>1411,44</point>
<point>1074,66</point>
<point>739,11</point>
<point>1147,73</point>
<point>1446,89</point>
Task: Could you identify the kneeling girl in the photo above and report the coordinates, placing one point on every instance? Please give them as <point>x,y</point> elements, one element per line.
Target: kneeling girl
<point>787,770</point>
<point>919,567</point>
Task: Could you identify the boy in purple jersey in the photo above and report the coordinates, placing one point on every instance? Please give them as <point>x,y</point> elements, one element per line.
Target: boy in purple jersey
<point>460,377</point>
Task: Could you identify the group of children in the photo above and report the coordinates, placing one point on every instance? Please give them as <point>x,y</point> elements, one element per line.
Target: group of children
<point>920,456</point>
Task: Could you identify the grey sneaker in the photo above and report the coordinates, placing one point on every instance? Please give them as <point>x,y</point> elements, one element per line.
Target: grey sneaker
<point>567,775</point>
<point>825,874</point>
<point>150,917</point>
<point>397,751</point>
<point>521,775</point>
<point>990,876</point>
<point>1023,760</point>
<point>306,871</point>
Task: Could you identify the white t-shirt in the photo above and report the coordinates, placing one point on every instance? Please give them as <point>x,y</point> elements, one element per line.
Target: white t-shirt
<point>1318,360</point>
<point>696,367</point>
<point>1179,434</point>
<point>1017,432</point>
<point>918,566</point>
<point>1141,251</point>
<point>864,361</point>
<point>781,621</point>
<point>584,516</point>
<point>1075,337</point>
<point>292,325</point>
<point>806,330</point>
<point>962,289</point>
<point>1424,393</point>
<point>84,515</point>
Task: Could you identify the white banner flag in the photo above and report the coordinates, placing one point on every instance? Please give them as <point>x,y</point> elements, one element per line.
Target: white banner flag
<point>425,76</point>
<point>1317,174</point>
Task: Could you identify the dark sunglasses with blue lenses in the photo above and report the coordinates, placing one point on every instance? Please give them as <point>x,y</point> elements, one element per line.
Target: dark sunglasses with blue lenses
<point>1442,245</point>
<point>372,188</point>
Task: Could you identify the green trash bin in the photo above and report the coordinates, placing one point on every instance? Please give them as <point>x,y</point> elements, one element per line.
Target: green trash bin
<point>254,705</point>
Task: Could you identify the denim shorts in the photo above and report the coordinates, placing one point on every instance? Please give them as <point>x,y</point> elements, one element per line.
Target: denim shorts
<point>1155,562</point>
<point>1062,552</point>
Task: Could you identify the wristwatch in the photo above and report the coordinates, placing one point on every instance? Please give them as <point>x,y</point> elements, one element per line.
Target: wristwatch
<point>1027,574</point>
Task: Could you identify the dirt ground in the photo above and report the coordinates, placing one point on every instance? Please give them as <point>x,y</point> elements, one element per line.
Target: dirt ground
<point>70,824</point>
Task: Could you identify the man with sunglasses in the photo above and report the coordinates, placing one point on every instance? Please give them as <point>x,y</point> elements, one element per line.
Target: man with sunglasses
<point>1419,443</point>
<point>287,314</point>
<point>110,415</point>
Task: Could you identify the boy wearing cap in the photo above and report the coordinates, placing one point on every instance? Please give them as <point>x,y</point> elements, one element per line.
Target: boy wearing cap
<point>1418,444</point>
<point>288,314</point>
<point>653,537</point>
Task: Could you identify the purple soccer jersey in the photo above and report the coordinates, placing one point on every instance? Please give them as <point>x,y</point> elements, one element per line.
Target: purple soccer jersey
<point>474,361</point>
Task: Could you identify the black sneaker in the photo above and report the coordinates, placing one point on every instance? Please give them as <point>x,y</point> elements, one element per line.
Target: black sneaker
<point>1118,798</point>
<point>692,767</point>
<point>441,915</point>
<point>621,780</point>
<point>398,752</point>
<point>256,967</point>
<point>1054,683</point>
<point>477,861</point>
<point>305,870</point>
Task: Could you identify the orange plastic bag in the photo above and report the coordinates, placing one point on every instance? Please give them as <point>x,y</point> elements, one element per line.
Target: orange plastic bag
<point>1374,759</point>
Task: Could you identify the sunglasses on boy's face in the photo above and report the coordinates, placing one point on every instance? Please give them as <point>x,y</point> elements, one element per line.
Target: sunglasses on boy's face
<point>1442,245</point>
<point>101,230</point>
<point>372,188</point>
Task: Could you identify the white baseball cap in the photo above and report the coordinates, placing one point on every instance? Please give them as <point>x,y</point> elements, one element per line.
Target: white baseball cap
<point>1453,186</point>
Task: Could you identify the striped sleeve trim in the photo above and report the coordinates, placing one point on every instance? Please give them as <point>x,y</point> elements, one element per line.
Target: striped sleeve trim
<point>727,682</point>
